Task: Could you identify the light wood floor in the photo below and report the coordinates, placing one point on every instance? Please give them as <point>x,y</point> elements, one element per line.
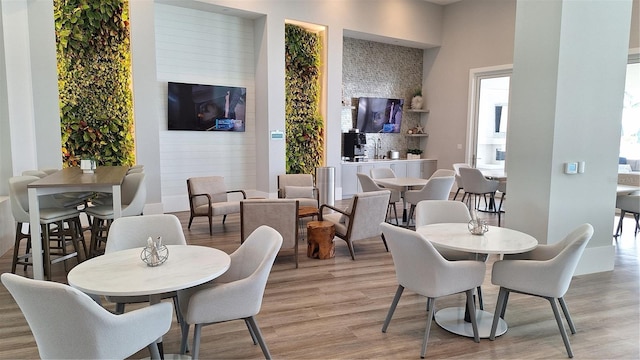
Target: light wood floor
<point>334,309</point>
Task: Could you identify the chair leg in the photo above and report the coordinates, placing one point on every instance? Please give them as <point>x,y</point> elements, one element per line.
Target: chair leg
<point>394,303</point>
<point>563,332</point>
<point>411,210</point>
<point>427,330</point>
<point>384,241</point>
<point>256,330</point>
<point>565,310</point>
<point>195,352</point>
<point>184,327</point>
<point>119,308</point>
<point>190,221</point>
<point>496,315</point>
<point>224,218</point>
<point>253,335</point>
<point>211,225</point>
<point>395,213</point>
<point>456,195</point>
<point>350,245</point>
<point>471,307</point>
<point>619,227</point>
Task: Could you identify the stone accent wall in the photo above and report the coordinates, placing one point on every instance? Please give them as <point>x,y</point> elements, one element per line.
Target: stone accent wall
<point>372,69</point>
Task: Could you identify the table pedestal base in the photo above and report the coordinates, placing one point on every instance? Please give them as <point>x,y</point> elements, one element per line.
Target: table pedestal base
<point>452,320</point>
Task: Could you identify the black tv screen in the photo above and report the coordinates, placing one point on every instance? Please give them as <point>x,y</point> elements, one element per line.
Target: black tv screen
<point>206,107</point>
<point>379,115</point>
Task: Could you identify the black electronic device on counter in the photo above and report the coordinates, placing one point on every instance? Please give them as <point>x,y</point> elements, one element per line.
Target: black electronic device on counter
<point>353,145</point>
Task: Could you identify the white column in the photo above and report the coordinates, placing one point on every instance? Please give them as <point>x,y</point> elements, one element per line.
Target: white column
<point>566,104</point>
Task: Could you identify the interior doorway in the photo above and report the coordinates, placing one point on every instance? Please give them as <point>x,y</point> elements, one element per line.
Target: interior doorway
<point>489,117</point>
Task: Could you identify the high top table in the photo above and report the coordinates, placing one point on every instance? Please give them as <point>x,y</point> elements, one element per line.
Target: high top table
<point>105,179</point>
<point>497,240</point>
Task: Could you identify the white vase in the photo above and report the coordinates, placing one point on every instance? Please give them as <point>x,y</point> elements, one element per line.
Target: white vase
<point>416,102</point>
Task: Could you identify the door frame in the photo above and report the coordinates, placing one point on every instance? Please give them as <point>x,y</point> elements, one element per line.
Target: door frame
<point>475,77</point>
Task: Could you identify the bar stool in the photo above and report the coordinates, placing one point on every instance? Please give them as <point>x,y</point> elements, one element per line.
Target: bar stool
<point>134,195</point>
<point>52,220</point>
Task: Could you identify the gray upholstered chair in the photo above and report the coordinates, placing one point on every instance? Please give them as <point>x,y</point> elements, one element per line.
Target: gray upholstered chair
<point>477,185</point>
<point>279,214</point>
<point>133,232</point>
<point>628,203</point>
<point>456,168</point>
<point>421,269</point>
<point>68,324</point>
<point>298,187</point>
<point>208,196</point>
<point>367,184</point>
<point>52,222</point>
<point>360,219</point>
<point>546,272</point>
<point>437,188</point>
<point>382,173</point>
<point>237,294</point>
<point>134,196</point>
<point>442,173</point>
<point>448,211</point>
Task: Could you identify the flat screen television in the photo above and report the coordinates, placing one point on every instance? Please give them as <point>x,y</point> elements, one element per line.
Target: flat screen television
<point>379,115</point>
<point>206,107</point>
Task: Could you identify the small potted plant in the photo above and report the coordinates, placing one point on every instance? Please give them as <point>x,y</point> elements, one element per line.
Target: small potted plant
<point>413,154</point>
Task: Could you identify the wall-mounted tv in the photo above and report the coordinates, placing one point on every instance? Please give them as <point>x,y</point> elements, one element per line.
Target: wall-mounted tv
<point>379,115</point>
<point>206,107</point>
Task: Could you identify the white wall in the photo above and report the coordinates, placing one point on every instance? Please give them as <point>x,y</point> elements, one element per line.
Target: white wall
<point>200,47</point>
<point>489,43</point>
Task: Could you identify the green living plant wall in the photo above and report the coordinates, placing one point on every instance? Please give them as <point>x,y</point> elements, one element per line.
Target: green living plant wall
<point>94,80</point>
<point>304,127</point>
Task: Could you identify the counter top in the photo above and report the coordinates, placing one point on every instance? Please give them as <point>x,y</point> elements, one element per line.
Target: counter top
<point>382,161</point>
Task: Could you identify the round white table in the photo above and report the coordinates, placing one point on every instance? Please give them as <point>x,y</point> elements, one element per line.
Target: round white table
<point>123,273</point>
<point>497,240</point>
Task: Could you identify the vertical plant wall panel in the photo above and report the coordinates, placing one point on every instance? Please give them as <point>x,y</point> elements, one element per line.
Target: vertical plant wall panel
<point>94,80</point>
<point>304,126</point>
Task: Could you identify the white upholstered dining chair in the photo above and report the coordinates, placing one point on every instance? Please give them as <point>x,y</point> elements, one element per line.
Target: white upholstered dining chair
<point>133,232</point>
<point>367,184</point>
<point>237,294</point>
<point>421,269</point>
<point>437,188</point>
<point>545,272</point>
<point>67,324</point>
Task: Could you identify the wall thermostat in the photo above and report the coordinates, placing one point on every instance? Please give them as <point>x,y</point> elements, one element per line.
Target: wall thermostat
<point>277,135</point>
<point>571,168</point>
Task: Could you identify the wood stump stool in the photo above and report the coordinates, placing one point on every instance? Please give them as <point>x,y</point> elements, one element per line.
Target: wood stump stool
<point>320,240</point>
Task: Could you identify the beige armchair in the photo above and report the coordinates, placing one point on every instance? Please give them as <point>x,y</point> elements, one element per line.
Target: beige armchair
<point>298,187</point>
<point>361,219</point>
<point>208,197</point>
<point>279,214</point>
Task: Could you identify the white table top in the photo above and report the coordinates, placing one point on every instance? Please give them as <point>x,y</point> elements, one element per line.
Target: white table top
<point>123,273</point>
<point>494,174</point>
<point>497,240</point>
<point>626,189</point>
<point>401,183</point>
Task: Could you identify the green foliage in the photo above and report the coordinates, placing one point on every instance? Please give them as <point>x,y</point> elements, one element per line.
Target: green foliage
<point>94,81</point>
<point>304,127</point>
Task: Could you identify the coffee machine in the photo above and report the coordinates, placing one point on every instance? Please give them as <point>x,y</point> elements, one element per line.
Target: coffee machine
<point>353,144</point>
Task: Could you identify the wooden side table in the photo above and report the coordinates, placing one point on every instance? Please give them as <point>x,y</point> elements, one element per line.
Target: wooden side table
<point>320,236</point>
<point>305,212</point>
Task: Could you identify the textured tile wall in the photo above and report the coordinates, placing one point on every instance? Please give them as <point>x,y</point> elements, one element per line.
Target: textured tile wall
<point>372,69</point>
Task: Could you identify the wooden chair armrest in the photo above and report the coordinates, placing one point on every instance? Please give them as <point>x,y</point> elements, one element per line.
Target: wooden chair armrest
<point>244,194</point>
<point>332,208</point>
